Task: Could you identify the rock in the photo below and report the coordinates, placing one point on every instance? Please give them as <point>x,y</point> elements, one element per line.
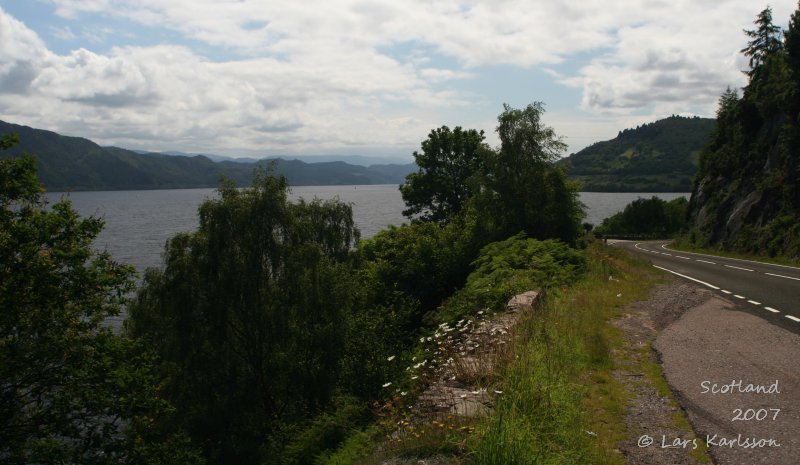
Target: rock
<point>523,302</point>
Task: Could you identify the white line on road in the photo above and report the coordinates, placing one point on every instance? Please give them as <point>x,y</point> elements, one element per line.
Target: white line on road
<point>738,296</point>
<point>793,318</point>
<point>782,276</point>
<point>772,310</point>
<point>754,302</point>
<point>727,292</point>
<point>706,261</point>
<point>738,267</point>
<point>667,254</point>
<point>688,277</point>
<point>664,246</point>
<point>685,258</point>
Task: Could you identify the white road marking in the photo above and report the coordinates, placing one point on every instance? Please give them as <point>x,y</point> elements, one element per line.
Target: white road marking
<point>772,310</point>
<point>727,292</point>
<point>793,318</point>
<point>664,246</point>
<point>706,261</point>
<point>738,268</point>
<point>738,296</point>
<point>688,277</point>
<point>782,276</point>
<point>754,302</point>
<point>667,254</point>
<point>685,258</point>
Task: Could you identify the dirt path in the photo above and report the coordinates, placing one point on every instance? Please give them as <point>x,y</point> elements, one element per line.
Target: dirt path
<point>706,343</point>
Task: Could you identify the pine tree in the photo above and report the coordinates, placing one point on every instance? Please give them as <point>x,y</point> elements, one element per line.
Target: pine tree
<point>766,41</point>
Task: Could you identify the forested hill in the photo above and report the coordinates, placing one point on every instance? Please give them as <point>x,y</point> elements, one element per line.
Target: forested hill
<point>747,192</point>
<point>656,157</point>
<point>75,163</point>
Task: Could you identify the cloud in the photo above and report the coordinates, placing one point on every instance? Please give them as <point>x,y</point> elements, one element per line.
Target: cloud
<point>341,75</point>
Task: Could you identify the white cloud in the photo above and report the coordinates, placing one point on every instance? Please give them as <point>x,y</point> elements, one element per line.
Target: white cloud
<point>328,76</point>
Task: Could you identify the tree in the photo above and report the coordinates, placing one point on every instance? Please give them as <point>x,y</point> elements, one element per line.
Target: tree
<point>527,191</point>
<point>254,305</point>
<point>71,391</point>
<point>766,41</point>
<point>447,165</point>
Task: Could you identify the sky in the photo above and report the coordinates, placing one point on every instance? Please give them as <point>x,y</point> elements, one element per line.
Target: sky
<point>259,78</point>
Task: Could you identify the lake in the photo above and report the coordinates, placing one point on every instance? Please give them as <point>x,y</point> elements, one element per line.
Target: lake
<point>138,223</point>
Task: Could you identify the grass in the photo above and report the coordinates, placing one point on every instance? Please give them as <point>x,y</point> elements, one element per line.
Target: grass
<point>560,402</point>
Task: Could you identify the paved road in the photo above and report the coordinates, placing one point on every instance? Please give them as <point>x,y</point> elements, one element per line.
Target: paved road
<point>768,291</point>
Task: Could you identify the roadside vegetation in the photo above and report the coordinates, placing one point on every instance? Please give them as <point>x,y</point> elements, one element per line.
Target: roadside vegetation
<point>271,334</point>
<point>651,218</point>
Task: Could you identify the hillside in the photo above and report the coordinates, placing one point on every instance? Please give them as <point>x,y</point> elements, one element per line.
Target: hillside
<point>746,195</point>
<point>656,157</point>
<point>74,163</point>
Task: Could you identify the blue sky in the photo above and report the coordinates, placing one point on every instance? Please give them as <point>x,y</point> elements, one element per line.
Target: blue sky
<point>266,78</point>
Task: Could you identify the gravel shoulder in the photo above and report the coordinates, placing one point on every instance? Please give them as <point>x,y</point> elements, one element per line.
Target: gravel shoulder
<point>652,411</point>
<point>706,343</point>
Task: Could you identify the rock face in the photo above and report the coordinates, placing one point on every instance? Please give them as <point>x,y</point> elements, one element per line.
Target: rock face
<point>746,194</point>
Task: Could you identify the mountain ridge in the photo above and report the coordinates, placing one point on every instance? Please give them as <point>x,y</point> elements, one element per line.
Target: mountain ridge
<point>661,156</point>
<point>68,163</point>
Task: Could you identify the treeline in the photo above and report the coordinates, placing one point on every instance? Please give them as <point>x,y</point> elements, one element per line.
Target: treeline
<point>653,217</point>
<point>270,330</point>
<point>746,194</point>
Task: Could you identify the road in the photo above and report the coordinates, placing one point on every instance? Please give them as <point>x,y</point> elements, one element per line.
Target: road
<point>771,292</point>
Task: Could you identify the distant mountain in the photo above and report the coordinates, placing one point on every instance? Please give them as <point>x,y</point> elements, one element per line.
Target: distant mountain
<point>350,159</point>
<point>656,157</point>
<point>74,163</point>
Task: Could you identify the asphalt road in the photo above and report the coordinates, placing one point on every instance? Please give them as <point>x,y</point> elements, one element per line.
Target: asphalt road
<point>771,292</point>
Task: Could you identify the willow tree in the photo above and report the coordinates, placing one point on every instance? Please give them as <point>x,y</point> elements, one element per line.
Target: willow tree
<point>248,314</point>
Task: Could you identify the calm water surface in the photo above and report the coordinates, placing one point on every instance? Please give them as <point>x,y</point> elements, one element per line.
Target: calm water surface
<point>138,223</point>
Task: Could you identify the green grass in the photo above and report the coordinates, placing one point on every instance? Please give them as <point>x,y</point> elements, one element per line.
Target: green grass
<point>561,403</point>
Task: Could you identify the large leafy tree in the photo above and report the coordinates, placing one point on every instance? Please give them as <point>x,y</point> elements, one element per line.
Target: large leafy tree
<point>448,164</point>
<point>528,191</point>
<point>71,391</point>
<point>249,316</point>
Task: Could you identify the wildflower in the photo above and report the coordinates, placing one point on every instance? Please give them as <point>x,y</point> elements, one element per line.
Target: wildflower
<point>619,295</point>
<point>414,377</point>
<point>403,393</point>
<point>387,384</point>
<point>390,358</point>
<point>498,392</point>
